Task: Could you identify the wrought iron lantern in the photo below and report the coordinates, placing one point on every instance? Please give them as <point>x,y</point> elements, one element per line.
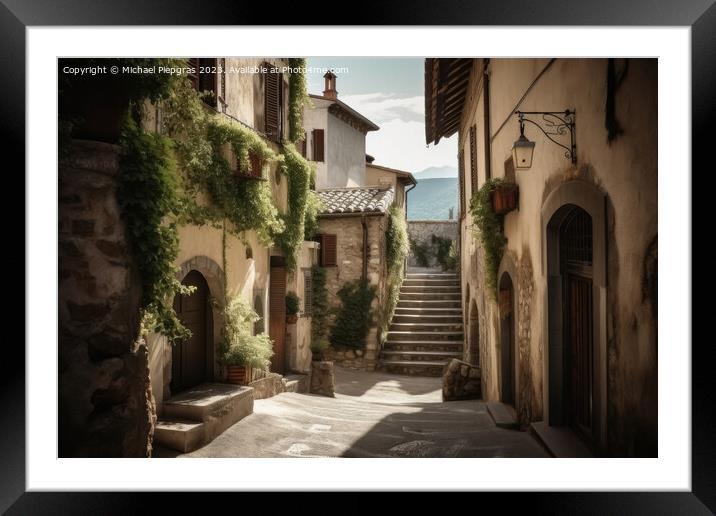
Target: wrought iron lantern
<point>557,123</point>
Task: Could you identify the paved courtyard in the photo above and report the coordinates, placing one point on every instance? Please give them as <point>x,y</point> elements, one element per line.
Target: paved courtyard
<point>372,415</point>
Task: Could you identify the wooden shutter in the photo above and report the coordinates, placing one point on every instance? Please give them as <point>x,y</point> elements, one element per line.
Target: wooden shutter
<point>318,145</point>
<point>329,251</point>
<point>473,159</point>
<point>277,315</point>
<point>461,174</point>
<point>193,63</point>
<point>307,292</point>
<point>272,103</point>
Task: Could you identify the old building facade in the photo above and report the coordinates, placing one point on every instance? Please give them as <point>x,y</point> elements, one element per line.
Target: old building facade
<point>569,337</point>
<point>114,380</point>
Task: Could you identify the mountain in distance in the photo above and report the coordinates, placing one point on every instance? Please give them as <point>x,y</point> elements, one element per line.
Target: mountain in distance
<point>432,198</point>
<point>432,172</point>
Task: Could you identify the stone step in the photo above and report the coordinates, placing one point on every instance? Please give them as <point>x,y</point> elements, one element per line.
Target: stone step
<point>503,415</point>
<point>413,368</point>
<point>431,289</point>
<point>431,275</point>
<point>427,326</point>
<point>415,282</point>
<point>430,303</point>
<point>217,405</point>
<point>425,335</point>
<point>427,318</point>
<point>180,435</point>
<point>443,346</point>
<point>429,311</point>
<point>420,355</point>
<point>430,296</point>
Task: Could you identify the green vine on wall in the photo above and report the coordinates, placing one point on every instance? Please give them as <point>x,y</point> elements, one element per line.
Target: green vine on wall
<point>320,311</point>
<point>297,98</point>
<point>354,315</point>
<point>489,231</point>
<point>147,196</point>
<point>397,246</point>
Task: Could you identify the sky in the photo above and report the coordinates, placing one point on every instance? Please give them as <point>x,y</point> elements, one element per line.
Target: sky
<point>389,92</point>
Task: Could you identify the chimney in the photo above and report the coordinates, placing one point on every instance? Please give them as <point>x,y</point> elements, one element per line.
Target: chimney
<point>330,91</point>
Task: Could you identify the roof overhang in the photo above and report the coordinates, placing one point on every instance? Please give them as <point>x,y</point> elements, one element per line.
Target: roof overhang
<point>344,112</point>
<point>446,83</point>
<point>403,176</point>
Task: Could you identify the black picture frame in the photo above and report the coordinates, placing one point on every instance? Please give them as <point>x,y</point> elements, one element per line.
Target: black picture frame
<point>17,15</point>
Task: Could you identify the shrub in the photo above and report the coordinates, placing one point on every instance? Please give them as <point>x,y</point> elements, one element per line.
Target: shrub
<point>354,315</point>
<point>441,247</point>
<point>238,346</point>
<point>319,304</point>
<point>397,247</point>
<point>319,347</point>
<point>292,303</point>
<point>422,253</point>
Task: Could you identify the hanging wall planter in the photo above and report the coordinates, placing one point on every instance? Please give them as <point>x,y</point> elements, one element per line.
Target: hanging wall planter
<point>504,198</point>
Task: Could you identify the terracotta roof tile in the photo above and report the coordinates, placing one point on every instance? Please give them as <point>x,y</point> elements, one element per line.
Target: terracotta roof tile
<point>364,199</point>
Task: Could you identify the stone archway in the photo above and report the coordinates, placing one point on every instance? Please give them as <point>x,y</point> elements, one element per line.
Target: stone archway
<point>508,352</point>
<point>574,260</point>
<point>473,335</point>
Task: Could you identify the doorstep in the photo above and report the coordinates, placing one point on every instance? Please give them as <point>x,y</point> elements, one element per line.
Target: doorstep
<point>560,441</point>
<point>503,415</point>
<point>196,417</point>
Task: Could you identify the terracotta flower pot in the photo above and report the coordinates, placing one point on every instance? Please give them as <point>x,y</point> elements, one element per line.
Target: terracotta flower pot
<point>291,318</point>
<point>504,199</point>
<point>238,375</point>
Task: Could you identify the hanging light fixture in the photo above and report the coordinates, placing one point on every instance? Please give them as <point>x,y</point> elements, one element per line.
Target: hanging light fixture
<point>557,124</point>
<point>522,150</point>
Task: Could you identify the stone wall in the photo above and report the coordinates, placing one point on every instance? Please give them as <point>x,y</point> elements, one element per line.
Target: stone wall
<point>461,381</point>
<point>106,408</point>
<point>350,266</point>
<point>422,231</point>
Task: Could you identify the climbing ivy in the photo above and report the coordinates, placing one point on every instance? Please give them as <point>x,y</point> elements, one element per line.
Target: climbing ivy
<point>397,247</point>
<point>489,231</point>
<point>297,98</point>
<point>147,197</point>
<point>298,172</point>
<point>355,315</point>
<point>320,310</point>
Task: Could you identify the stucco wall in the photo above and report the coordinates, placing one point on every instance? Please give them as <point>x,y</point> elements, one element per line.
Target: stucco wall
<point>350,262</point>
<point>423,230</point>
<point>315,116</point>
<point>626,172</point>
<point>345,154</point>
<point>379,177</point>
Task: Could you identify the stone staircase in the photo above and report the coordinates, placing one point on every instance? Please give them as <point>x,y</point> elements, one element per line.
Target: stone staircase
<point>426,331</point>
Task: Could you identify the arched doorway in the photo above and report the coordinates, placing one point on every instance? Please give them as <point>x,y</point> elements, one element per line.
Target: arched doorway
<point>575,258</point>
<point>506,299</point>
<point>474,335</point>
<point>192,359</point>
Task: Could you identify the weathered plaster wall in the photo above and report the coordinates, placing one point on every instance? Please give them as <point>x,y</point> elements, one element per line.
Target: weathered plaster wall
<point>316,117</point>
<point>298,339</point>
<point>375,176</point>
<point>422,231</point>
<point>105,397</point>
<point>626,172</point>
<point>345,154</point>
<point>350,262</point>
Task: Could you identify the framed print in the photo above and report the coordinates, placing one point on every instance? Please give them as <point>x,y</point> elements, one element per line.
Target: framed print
<point>418,258</point>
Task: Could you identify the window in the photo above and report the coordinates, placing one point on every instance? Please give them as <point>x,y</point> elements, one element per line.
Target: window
<point>473,159</point>
<point>328,252</point>
<point>461,175</point>
<point>204,77</point>
<point>273,103</point>
<point>307,292</point>
<point>318,145</point>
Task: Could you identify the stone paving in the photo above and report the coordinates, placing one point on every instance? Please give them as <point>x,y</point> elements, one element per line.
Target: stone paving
<point>372,415</point>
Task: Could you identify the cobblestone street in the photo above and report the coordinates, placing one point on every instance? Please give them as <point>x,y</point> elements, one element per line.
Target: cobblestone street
<point>372,415</point>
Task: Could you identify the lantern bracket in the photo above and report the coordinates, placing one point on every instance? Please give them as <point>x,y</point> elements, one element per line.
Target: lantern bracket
<point>556,123</point>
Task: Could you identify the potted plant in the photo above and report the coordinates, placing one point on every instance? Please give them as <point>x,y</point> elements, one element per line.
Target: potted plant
<point>504,197</point>
<point>292,306</point>
<point>240,351</point>
<point>318,349</point>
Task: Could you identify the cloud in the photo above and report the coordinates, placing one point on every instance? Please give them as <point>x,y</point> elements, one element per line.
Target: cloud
<point>385,107</point>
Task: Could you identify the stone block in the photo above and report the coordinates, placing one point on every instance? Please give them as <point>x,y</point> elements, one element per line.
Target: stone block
<point>322,379</point>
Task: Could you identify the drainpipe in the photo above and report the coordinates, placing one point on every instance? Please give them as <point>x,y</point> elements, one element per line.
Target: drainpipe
<point>486,105</point>
<point>364,223</point>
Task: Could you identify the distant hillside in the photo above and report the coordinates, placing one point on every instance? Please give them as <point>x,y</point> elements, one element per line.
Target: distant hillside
<point>444,171</point>
<point>432,198</point>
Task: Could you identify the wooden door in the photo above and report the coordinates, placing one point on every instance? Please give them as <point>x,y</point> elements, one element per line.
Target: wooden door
<point>579,355</point>
<point>277,313</point>
<point>192,359</point>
